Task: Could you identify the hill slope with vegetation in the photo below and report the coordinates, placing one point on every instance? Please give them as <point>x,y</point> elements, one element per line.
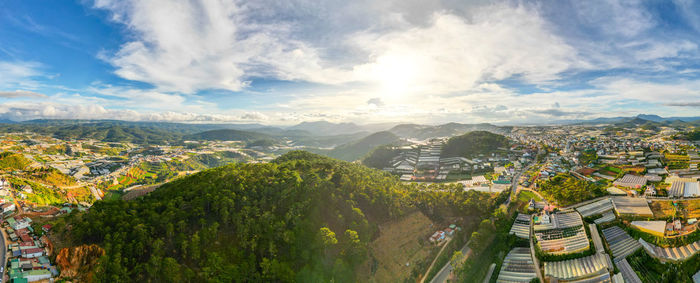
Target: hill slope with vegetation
<point>357,149</point>
<point>303,218</point>
<point>102,131</point>
<point>228,135</point>
<point>445,130</point>
<point>13,161</point>
<point>474,143</point>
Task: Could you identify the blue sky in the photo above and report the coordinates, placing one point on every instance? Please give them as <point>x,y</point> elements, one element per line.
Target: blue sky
<point>283,62</point>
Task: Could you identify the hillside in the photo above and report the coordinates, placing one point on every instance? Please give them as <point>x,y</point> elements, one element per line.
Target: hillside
<point>447,130</point>
<point>102,131</point>
<point>357,149</point>
<point>13,161</point>
<point>302,218</point>
<point>380,157</point>
<point>228,135</point>
<point>473,144</point>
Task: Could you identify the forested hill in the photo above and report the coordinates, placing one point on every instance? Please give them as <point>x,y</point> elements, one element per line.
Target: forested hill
<point>103,131</point>
<point>302,218</point>
<point>357,149</point>
<point>228,135</point>
<point>474,143</point>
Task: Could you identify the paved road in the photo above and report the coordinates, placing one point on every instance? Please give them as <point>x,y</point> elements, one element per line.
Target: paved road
<point>3,254</point>
<point>446,270</point>
<point>514,182</point>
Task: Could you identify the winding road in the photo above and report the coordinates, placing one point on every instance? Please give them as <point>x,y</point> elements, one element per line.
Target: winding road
<point>446,270</point>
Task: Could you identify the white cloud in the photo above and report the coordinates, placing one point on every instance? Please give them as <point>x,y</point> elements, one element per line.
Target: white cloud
<point>455,54</point>
<point>190,46</point>
<point>20,93</point>
<point>622,18</point>
<point>19,74</point>
<point>20,111</point>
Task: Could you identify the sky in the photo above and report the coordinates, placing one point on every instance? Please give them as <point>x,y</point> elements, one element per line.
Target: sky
<point>362,61</point>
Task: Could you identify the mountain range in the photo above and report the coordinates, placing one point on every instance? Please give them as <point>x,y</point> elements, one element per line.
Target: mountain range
<point>614,120</point>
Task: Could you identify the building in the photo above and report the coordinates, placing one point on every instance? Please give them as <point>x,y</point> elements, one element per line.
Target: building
<point>8,207</point>
<point>437,237</point>
<point>33,252</point>
<point>677,189</point>
<point>27,189</point>
<point>18,222</point>
<point>650,191</point>
<point>631,181</point>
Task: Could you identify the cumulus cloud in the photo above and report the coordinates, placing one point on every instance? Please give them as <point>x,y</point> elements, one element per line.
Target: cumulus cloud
<point>393,60</point>
<point>21,111</point>
<point>223,44</point>
<point>195,45</point>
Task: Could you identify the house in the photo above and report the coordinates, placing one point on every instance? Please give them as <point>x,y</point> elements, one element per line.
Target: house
<point>677,225</point>
<point>449,231</point>
<point>18,222</point>
<point>27,189</point>
<point>36,275</point>
<point>437,237</point>
<point>650,191</point>
<point>32,253</point>
<point>46,228</point>
<point>544,219</point>
<point>8,207</point>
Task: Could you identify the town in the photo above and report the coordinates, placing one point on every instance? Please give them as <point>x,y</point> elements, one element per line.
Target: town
<point>587,203</point>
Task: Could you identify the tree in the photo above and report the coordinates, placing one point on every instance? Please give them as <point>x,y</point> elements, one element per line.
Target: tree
<point>327,236</point>
<point>456,260</point>
<point>475,242</point>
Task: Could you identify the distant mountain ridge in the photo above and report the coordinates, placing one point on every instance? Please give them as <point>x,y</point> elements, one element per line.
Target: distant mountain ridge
<point>228,135</point>
<point>614,120</point>
<point>355,150</point>
<point>446,130</point>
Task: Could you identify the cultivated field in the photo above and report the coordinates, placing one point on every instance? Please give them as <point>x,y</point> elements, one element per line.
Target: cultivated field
<point>690,208</point>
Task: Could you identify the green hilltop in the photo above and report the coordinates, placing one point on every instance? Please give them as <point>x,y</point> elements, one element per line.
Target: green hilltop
<point>301,218</point>
<point>474,143</point>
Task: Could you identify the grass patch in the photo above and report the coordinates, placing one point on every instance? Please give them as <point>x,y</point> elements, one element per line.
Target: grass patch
<point>525,196</point>
<point>112,195</point>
